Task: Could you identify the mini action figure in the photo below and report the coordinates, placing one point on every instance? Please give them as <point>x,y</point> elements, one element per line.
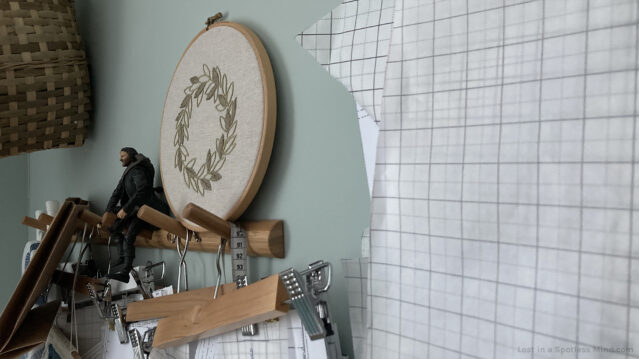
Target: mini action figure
<point>134,190</point>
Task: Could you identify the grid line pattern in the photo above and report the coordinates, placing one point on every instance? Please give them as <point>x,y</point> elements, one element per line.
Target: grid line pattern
<point>503,210</point>
<point>351,43</point>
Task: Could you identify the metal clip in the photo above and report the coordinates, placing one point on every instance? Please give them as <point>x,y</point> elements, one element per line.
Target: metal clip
<point>220,254</point>
<point>120,324</point>
<point>182,265</point>
<point>134,335</point>
<point>147,340</point>
<point>141,286</point>
<point>304,289</point>
<point>96,301</point>
<point>317,280</point>
<point>212,19</point>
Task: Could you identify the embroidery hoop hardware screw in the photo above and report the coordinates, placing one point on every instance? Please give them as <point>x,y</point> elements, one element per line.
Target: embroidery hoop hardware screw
<point>212,19</point>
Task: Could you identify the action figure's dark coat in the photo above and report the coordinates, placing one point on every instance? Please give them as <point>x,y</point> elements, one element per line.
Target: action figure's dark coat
<point>135,188</point>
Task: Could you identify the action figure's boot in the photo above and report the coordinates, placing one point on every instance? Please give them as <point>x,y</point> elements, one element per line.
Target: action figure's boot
<point>121,273</point>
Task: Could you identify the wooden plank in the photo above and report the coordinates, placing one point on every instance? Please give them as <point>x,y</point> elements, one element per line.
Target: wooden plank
<point>40,269</point>
<point>45,218</point>
<point>255,303</point>
<point>168,305</point>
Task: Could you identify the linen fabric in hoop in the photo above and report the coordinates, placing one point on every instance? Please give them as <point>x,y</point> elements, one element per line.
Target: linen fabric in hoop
<point>218,123</point>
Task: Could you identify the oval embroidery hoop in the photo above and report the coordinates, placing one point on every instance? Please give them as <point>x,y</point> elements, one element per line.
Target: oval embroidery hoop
<point>218,123</point>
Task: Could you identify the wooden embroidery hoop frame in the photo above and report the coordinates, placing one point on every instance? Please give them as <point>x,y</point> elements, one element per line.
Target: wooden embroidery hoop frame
<point>268,128</point>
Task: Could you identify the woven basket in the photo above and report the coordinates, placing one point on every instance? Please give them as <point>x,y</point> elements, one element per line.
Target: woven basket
<point>44,78</point>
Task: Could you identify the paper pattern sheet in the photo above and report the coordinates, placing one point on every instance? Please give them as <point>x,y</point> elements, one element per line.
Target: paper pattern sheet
<point>284,338</point>
<point>504,212</point>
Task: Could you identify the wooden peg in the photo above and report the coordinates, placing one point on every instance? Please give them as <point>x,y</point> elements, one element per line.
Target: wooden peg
<point>90,217</point>
<point>161,220</point>
<point>208,220</point>
<point>107,219</point>
<point>32,222</point>
<point>254,303</point>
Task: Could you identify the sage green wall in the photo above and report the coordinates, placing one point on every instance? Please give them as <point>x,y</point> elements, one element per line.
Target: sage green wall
<point>13,235</point>
<point>316,178</point>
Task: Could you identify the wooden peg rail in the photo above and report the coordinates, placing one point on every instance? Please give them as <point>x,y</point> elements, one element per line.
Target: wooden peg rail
<point>265,238</point>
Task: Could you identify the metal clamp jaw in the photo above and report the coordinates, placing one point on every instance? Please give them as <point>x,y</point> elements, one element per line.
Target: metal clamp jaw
<point>111,312</point>
<point>141,344</point>
<point>145,279</point>
<point>102,303</point>
<point>305,290</point>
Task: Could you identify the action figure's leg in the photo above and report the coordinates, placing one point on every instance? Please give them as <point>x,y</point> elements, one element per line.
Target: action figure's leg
<point>117,237</point>
<point>121,273</point>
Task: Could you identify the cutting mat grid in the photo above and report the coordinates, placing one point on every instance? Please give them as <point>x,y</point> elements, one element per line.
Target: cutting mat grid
<point>504,207</point>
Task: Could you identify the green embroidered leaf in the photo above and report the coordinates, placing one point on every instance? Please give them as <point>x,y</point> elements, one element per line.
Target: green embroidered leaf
<point>185,101</point>
<point>228,121</point>
<point>220,144</point>
<point>206,184</point>
<point>216,76</point>
<point>209,157</point>
<point>198,92</point>
<point>194,80</point>
<point>230,149</point>
<point>222,100</point>
<point>200,172</point>
<point>212,92</point>
<point>206,70</point>
<point>231,139</point>
<point>233,107</point>
<point>231,90</point>
<point>194,182</point>
<point>180,163</point>
<point>215,176</point>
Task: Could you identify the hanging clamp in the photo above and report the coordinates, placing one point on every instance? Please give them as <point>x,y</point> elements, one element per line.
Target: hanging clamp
<point>305,291</point>
<point>136,344</point>
<point>109,311</point>
<point>212,19</point>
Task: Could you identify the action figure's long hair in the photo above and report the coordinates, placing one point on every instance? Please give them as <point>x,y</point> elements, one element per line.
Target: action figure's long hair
<point>132,152</point>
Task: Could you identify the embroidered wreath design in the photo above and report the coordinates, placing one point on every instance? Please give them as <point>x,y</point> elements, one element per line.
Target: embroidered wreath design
<point>210,85</point>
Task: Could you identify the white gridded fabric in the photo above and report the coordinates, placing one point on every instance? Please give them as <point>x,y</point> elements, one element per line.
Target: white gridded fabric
<point>504,210</point>
<point>352,43</point>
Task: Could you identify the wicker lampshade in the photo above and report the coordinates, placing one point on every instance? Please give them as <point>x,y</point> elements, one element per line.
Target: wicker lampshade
<point>44,78</point>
